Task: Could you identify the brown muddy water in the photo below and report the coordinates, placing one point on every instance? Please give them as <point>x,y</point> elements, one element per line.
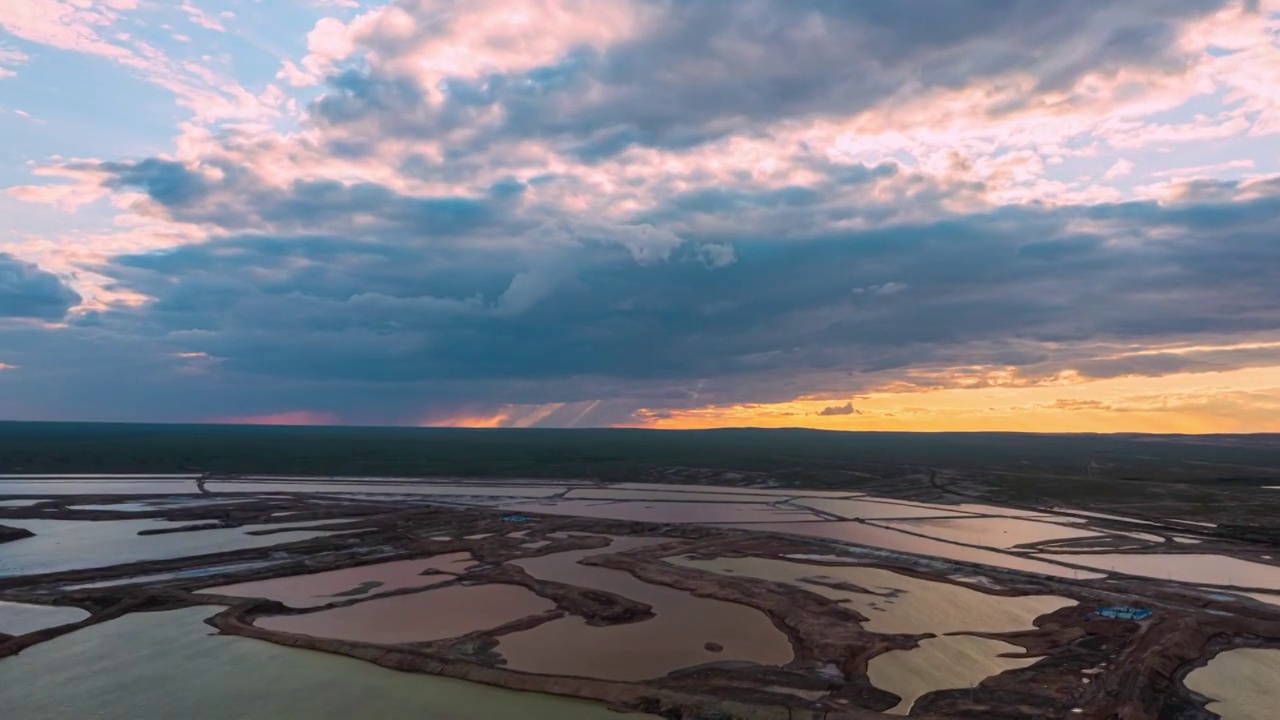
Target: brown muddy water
<point>417,617</point>
<point>171,665</point>
<point>675,638</point>
<point>323,588</point>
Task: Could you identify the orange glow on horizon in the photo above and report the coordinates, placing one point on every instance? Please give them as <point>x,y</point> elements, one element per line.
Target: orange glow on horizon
<point>1245,400</point>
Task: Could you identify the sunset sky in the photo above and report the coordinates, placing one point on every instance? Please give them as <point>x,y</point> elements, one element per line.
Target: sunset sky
<point>1046,215</point>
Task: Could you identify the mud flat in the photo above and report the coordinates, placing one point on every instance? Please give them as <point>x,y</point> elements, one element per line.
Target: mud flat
<point>1244,683</point>
<point>944,663</point>
<point>8,534</point>
<point>169,664</point>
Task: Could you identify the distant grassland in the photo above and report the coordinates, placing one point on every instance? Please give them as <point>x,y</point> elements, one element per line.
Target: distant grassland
<point>1221,478</point>
<point>618,454</point>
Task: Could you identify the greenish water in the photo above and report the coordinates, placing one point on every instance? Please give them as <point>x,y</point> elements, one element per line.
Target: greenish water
<point>61,545</point>
<point>168,665</point>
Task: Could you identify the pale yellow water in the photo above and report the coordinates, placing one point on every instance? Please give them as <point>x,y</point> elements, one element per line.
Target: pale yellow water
<point>1191,568</point>
<point>170,666</point>
<point>316,589</point>
<point>1244,683</point>
<point>870,509</point>
<point>418,617</point>
<point>869,535</point>
<point>666,495</point>
<point>21,618</point>
<point>666,512</point>
<point>675,638</point>
<point>61,545</point>
<point>942,663</point>
<point>896,604</point>
<point>992,532</point>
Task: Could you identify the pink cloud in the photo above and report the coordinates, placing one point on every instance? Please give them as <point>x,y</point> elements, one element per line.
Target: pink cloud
<point>292,417</point>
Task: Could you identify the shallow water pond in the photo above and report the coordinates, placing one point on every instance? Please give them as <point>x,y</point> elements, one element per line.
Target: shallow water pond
<point>942,663</point>
<point>990,532</point>
<point>61,545</point>
<point>1244,683</point>
<point>1190,568</point>
<point>418,617</point>
<point>894,603</point>
<point>21,618</point>
<point>868,535</point>
<point>171,665</point>
<point>323,588</point>
<point>668,512</point>
<point>675,638</point>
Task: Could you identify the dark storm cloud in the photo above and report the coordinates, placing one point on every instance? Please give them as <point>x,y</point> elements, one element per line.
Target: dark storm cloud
<point>28,292</point>
<point>1012,282</point>
<point>715,67</point>
<point>236,199</point>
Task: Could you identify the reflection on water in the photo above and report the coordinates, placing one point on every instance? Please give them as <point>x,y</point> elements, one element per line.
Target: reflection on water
<point>1190,568</point>
<point>941,663</point>
<point>20,618</point>
<point>670,495</point>
<point>406,488</point>
<point>61,545</point>
<point>1244,683</point>
<point>419,617</point>
<point>871,509</point>
<point>675,638</point>
<point>322,588</point>
<point>895,603</point>
<point>877,537</point>
<point>194,572</point>
<point>168,665</point>
<point>666,512</point>
<point>991,532</point>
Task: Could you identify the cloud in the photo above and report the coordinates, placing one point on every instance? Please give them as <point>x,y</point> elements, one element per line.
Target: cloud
<point>678,75</point>
<point>292,417</point>
<point>431,295</point>
<point>1120,169</point>
<point>845,409</point>
<point>506,212</point>
<point>10,57</point>
<point>28,292</point>
<point>201,18</point>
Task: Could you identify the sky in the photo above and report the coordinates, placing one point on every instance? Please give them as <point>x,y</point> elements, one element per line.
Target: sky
<point>1039,215</point>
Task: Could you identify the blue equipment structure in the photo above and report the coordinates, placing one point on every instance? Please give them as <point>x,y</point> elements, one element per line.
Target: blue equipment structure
<point>1124,613</point>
